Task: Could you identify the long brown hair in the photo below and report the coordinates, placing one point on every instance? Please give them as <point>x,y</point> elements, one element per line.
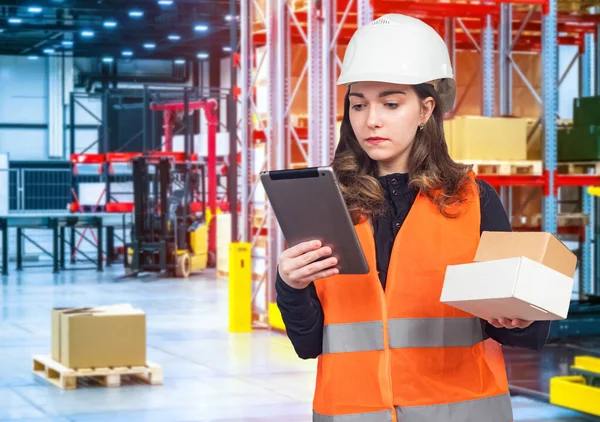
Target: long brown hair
<point>430,168</point>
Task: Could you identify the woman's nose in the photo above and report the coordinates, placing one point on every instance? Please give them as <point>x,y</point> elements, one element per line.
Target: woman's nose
<point>373,120</point>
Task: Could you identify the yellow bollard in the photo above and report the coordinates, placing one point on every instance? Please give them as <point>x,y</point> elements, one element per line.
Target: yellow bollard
<point>594,190</point>
<point>240,287</point>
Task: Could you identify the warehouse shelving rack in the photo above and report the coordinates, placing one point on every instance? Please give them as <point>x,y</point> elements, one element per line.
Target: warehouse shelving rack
<point>267,29</point>
<point>270,30</point>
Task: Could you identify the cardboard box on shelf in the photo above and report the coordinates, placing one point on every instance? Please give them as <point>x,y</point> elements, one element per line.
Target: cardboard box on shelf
<point>534,141</point>
<point>515,275</point>
<point>106,336</point>
<point>487,138</point>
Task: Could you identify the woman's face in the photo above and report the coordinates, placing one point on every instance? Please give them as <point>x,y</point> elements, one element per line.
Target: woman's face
<point>385,118</point>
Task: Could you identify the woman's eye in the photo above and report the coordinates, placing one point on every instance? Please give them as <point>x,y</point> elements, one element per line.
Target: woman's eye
<point>357,107</point>
<point>391,105</point>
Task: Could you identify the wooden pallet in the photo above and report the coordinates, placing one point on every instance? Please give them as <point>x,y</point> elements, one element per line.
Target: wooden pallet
<point>563,220</point>
<point>576,6</point>
<point>505,168</point>
<point>579,167</point>
<point>47,368</point>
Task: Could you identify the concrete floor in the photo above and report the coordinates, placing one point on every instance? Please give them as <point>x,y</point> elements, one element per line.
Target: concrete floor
<point>210,375</point>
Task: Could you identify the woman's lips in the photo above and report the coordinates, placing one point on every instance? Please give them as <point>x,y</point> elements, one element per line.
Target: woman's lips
<point>375,140</point>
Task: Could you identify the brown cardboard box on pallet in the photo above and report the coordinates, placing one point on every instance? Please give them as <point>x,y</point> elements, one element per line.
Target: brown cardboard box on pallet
<point>107,336</point>
<point>525,275</point>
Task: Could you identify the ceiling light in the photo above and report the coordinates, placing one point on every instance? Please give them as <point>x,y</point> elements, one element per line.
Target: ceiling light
<point>165,2</point>
<point>201,28</point>
<point>15,21</point>
<point>202,56</point>
<point>48,50</point>
<point>35,9</point>
<point>174,37</point>
<point>87,34</point>
<point>227,49</point>
<point>1,30</point>
<point>179,61</point>
<point>136,13</point>
<point>228,18</point>
<point>110,24</point>
<point>32,57</point>
<point>149,45</point>
<point>127,53</point>
<point>107,60</point>
<point>67,43</point>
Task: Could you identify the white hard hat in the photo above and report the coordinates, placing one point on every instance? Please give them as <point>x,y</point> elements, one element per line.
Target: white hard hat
<point>403,50</point>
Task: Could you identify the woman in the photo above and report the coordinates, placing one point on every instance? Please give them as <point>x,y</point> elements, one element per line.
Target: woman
<point>388,349</point>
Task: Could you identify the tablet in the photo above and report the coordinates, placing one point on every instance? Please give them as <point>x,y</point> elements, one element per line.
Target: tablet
<point>309,205</point>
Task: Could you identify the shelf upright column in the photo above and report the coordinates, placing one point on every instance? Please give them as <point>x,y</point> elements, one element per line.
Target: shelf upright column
<point>505,88</point>
<point>550,107</point>
<point>487,51</point>
<point>587,203</point>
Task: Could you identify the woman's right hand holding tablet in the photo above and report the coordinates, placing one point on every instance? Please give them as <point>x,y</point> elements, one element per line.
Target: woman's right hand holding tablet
<point>299,265</point>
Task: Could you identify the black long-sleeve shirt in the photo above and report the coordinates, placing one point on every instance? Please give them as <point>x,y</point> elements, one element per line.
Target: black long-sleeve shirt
<point>302,311</point>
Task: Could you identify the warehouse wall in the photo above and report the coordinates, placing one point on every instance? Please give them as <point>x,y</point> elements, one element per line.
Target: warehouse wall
<point>23,108</point>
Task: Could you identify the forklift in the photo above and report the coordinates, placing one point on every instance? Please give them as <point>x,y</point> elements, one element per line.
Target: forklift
<point>169,232</point>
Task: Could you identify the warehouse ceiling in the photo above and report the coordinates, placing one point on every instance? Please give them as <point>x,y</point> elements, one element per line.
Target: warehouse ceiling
<point>147,29</point>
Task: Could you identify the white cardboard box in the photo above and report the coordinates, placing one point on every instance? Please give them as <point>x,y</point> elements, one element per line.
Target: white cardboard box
<point>511,288</point>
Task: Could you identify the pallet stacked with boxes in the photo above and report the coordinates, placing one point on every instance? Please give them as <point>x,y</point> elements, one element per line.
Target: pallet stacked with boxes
<point>100,343</point>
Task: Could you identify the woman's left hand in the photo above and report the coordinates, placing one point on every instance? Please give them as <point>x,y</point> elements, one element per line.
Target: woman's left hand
<point>509,323</point>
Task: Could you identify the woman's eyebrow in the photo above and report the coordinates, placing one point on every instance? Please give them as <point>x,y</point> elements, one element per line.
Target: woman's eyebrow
<point>356,94</point>
<point>381,94</point>
<point>386,93</point>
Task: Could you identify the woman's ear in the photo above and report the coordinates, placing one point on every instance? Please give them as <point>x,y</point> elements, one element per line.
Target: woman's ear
<point>427,109</point>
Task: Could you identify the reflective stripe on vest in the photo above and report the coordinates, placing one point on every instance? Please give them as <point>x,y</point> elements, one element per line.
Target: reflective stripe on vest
<point>490,409</point>
<point>383,416</point>
<point>403,333</point>
<point>356,337</point>
<point>434,332</point>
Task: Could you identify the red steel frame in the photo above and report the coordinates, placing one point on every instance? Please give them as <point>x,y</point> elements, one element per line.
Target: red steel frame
<point>434,14</point>
<point>542,180</point>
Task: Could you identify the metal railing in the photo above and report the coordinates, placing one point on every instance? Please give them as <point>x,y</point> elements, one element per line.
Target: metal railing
<point>32,190</point>
<point>49,191</point>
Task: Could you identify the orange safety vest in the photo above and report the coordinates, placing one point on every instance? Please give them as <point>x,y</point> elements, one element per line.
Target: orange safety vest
<point>400,355</point>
